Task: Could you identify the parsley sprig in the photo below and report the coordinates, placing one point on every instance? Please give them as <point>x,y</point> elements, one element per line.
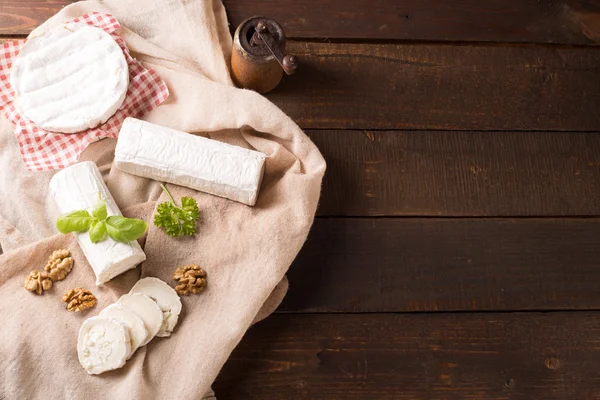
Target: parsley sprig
<point>174,220</point>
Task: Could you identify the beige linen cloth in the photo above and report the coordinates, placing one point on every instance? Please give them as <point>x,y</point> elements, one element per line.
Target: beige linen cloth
<point>245,250</point>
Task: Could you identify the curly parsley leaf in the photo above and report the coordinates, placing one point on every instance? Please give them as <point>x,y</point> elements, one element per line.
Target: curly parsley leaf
<point>174,220</point>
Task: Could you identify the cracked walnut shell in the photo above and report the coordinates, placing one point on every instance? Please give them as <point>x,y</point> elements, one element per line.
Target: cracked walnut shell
<point>37,282</point>
<point>191,279</point>
<point>79,299</point>
<point>59,264</point>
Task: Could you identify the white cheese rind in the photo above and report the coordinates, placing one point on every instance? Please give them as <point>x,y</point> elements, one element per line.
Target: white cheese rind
<point>70,78</point>
<point>167,299</point>
<point>145,308</point>
<point>103,344</point>
<point>137,330</point>
<point>77,188</point>
<point>207,165</point>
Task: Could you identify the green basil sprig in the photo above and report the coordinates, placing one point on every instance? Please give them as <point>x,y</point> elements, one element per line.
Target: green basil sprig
<point>100,226</point>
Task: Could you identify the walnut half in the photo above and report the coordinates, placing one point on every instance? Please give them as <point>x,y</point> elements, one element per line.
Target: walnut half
<point>37,282</point>
<point>59,264</point>
<point>79,299</point>
<point>191,279</point>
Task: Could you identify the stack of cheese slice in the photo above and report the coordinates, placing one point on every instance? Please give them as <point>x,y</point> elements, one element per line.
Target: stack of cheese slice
<point>106,341</point>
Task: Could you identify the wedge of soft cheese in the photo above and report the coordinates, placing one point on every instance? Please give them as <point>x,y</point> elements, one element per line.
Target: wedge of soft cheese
<point>103,345</point>
<point>145,308</point>
<point>77,188</point>
<point>167,299</point>
<point>207,165</point>
<point>137,329</point>
<point>70,78</point>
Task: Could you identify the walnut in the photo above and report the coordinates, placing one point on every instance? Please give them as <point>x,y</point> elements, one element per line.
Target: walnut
<point>191,279</point>
<point>79,299</point>
<point>37,282</point>
<point>59,264</point>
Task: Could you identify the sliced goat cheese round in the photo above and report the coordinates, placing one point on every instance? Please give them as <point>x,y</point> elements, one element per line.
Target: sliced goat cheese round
<point>70,78</point>
<point>145,308</point>
<point>103,345</point>
<point>137,329</point>
<point>167,299</point>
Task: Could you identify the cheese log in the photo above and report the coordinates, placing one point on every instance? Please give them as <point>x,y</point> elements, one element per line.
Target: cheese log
<point>103,344</point>
<point>70,78</point>
<point>77,188</point>
<point>210,166</point>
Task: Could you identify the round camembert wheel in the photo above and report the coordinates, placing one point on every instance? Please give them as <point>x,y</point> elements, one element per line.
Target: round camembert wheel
<point>70,78</point>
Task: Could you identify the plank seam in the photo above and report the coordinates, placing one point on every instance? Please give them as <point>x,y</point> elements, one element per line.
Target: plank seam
<point>490,311</point>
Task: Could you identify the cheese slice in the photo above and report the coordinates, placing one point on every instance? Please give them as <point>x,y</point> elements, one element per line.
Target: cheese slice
<point>77,188</point>
<point>167,299</point>
<point>70,78</point>
<point>103,344</point>
<point>210,166</point>
<point>145,308</point>
<point>137,329</point>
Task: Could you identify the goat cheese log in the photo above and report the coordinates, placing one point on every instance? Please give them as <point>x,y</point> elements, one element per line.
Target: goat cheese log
<point>207,165</point>
<point>70,78</point>
<point>77,188</point>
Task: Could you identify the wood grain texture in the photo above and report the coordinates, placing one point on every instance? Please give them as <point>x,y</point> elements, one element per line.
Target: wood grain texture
<point>439,87</point>
<point>544,21</point>
<point>434,356</point>
<point>21,17</point>
<point>384,173</point>
<point>431,264</point>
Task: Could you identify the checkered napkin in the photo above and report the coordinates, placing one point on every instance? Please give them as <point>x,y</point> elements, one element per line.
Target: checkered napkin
<point>43,150</point>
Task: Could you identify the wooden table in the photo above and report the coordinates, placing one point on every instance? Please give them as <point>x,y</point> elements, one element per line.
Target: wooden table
<point>456,253</point>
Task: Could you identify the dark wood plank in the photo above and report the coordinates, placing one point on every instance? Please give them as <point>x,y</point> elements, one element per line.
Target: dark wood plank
<point>383,173</point>
<point>545,21</point>
<point>423,356</point>
<point>361,86</point>
<point>21,17</point>
<point>431,264</point>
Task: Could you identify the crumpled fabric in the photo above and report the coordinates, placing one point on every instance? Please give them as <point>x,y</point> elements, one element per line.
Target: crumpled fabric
<point>246,251</point>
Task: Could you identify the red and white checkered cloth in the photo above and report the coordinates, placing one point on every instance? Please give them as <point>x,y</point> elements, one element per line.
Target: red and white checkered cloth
<point>43,150</point>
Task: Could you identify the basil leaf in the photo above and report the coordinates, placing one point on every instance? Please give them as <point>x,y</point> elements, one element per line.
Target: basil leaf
<point>125,230</point>
<point>100,211</point>
<point>98,231</point>
<point>76,221</point>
